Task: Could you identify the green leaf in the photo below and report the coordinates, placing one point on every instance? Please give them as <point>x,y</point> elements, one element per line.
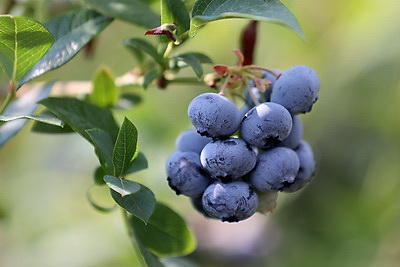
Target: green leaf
<point>41,118</point>
<point>194,60</point>
<point>125,147</point>
<point>149,77</point>
<point>137,44</point>
<point>40,127</point>
<point>105,92</point>
<point>72,31</point>
<point>174,11</point>
<point>82,116</point>
<point>138,164</point>
<point>103,146</point>
<point>133,11</point>
<point>23,42</point>
<point>26,105</point>
<point>122,186</point>
<point>150,259</point>
<point>165,234</point>
<point>205,11</point>
<point>140,203</point>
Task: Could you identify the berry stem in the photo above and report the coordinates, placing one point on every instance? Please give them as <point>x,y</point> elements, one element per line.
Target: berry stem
<point>253,97</point>
<point>224,86</point>
<point>168,49</point>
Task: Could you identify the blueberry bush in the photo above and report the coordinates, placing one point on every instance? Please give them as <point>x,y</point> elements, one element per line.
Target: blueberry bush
<point>246,143</point>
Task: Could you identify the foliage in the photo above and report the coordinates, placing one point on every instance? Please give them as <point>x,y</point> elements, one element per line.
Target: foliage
<point>30,49</point>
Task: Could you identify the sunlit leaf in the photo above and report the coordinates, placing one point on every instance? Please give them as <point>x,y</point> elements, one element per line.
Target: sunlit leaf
<point>23,42</point>
<point>26,105</point>
<point>105,92</point>
<point>72,31</point>
<point>122,186</point>
<point>41,118</point>
<point>41,127</point>
<point>125,147</point>
<point>205,11</point>
<point>134,11</point>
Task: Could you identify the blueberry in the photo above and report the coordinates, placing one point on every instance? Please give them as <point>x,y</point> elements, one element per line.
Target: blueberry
<point>307,167</point>
<point>266,125</point>
<point>275,169</point>
<point>190,140</point>
<point>197,203</point>
<point>185,174</point>
<point>228,159</point>
<point>297,89</point>
<point>214,115</point>
<point>230,202</point>
<point>294,138</point>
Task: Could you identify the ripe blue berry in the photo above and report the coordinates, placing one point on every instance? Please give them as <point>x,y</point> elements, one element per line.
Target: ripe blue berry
<point>228,159</point>
<point>266,125</point>
<point>307,167</point>
<point>185,174</point>
<point>294,138</point>
<point>275,169</point>
<point>190,140</point>
<point>214,115</point>
<point>230,202</point>
<point>297,89</point>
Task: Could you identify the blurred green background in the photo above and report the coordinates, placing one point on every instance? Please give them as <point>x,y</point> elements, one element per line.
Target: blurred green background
<point>349,215</point>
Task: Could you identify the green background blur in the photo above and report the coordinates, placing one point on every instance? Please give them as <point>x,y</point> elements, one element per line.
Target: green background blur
<point>349,215</point>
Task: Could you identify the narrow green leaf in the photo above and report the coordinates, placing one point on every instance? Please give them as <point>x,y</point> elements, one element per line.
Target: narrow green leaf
<point>82,116</point>
<point>138,44</point>
<point>141,203</point>
<point>165,234</point>
<point>103,146</point>
<point>23,42</point>
<point>41,118</point>
<point>40,127</point>
<point>72,31</point>
<point>174,11</point>
<point>133,11</point>
<point>205,11</point>
<point>25,104</point>
<point>125,147</point>
<point>122,186</point>
<point>194,60</point>
<point>149,77</point>
<point>105,92</point>
<point>138,164</point>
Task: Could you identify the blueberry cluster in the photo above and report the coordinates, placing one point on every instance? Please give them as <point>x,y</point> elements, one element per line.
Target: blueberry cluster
<point>234,163</point>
